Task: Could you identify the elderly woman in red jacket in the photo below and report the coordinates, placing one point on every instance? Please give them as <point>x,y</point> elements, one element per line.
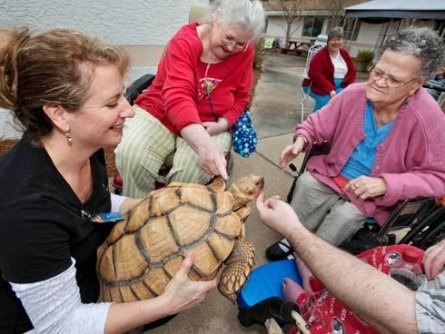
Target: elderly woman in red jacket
<point>330,71</point>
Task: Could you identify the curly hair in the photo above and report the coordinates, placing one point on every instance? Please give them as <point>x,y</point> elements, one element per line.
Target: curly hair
<point>421,42</point>
<point>53,67</point>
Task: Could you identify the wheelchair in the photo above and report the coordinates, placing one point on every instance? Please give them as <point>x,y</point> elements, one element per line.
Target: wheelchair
<point>131,93</point>
<point>437,90</point>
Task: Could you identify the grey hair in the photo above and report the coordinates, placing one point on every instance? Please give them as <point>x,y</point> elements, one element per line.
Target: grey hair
<point>335,32</point>
<point>249,14</point>
<point>421,42</point>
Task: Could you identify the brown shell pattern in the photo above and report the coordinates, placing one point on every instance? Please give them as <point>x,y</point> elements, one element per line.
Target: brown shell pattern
<point>143,252</point>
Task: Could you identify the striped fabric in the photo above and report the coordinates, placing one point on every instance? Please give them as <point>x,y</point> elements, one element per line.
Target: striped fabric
<point>430,306</point>
<point>146,145</point>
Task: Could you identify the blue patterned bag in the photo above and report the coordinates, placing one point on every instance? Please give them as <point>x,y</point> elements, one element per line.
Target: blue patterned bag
<point>244,137</point>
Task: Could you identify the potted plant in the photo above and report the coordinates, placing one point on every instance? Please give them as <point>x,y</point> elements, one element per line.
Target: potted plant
<point>363,59</point>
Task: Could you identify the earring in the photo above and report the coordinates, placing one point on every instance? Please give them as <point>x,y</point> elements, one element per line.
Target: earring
<point>69,139</point>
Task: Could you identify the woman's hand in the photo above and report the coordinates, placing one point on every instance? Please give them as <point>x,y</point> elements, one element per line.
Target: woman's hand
<point>181,293</point>
<point>290,152</point>
<point>366,187</point>
<point>214,128</point>
<point>211,157</point>
<point>434,259</point>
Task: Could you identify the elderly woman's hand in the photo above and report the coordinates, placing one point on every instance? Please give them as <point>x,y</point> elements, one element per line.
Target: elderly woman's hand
<point>211,157</point>
<point>214,128</point>
<point>290,152</point>
<point>366,187</point>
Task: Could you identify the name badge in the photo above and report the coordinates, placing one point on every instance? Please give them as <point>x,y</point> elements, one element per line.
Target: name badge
<point>107,217</point>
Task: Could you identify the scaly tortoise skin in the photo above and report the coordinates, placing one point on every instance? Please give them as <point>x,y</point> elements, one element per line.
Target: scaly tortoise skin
<point>143,252</point>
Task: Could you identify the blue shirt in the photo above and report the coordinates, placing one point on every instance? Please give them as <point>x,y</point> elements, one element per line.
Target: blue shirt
<point>362,158</point>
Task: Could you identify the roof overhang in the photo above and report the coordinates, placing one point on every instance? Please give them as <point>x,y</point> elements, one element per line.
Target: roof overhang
<point>398,9</point>
<point>323,12</point>
<point>397,14</point>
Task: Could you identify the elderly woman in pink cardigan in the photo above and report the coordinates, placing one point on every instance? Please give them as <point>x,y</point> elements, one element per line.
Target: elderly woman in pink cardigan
<point>387,143</point>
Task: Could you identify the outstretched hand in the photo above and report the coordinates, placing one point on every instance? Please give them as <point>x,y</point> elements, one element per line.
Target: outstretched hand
<point>290,152</point>
<point>277,214</point>
<point>183,293</point>
<point>434,259</point>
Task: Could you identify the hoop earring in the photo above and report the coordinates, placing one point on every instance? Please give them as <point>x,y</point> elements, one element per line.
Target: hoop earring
<point>68,137</point>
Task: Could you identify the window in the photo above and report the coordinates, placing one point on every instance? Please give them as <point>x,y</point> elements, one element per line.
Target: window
<point>351,29</point>
<point>312,26</point>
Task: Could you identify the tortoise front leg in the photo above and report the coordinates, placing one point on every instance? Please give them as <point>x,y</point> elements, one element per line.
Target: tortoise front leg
<point>238,267</point>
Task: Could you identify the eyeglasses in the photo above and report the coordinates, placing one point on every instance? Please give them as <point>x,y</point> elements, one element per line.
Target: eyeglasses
<point>390,81</point>
<point>233,44</point>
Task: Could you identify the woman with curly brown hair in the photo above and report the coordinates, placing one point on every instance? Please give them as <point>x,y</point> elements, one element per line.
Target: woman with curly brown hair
<point>66,90</point>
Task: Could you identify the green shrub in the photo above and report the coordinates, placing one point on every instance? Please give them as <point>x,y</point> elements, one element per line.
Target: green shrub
<point>364,56</point>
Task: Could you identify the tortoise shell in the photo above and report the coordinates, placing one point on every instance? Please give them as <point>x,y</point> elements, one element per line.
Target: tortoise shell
<point>144,252</point>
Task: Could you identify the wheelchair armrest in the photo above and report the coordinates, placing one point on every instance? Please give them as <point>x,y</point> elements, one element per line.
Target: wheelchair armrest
<point>316,149</point>
<point>319,148</point>
<point>137,87</point>
<point>438,85</point>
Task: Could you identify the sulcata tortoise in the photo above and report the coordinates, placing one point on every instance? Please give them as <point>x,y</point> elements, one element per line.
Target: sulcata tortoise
<point>144,251</point>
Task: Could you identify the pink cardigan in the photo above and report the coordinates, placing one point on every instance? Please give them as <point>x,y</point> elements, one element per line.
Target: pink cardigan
<point>411,159</point>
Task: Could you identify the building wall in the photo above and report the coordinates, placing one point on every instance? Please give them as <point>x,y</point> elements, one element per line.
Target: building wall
<point>143,27</point>
<point>371,35</point>
<point>276,27</point>
<point>366,39</point>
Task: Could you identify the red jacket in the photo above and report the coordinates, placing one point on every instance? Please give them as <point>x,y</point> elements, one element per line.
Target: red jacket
<point>321,72</point>
<point>177,96</point>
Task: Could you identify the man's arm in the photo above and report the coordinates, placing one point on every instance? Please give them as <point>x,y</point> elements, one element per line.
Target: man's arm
<point>373,296</point>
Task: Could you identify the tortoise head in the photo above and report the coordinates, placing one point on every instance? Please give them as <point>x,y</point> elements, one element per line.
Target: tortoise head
<point>246,189</point>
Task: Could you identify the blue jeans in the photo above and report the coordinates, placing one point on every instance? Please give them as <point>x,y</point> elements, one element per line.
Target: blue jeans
<point>322,100</point>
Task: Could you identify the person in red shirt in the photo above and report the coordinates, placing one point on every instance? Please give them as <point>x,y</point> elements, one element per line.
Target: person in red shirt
<point>201,88</point>
<point>358,287</point>
<point>331,70</point>
<point>325,313</point>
